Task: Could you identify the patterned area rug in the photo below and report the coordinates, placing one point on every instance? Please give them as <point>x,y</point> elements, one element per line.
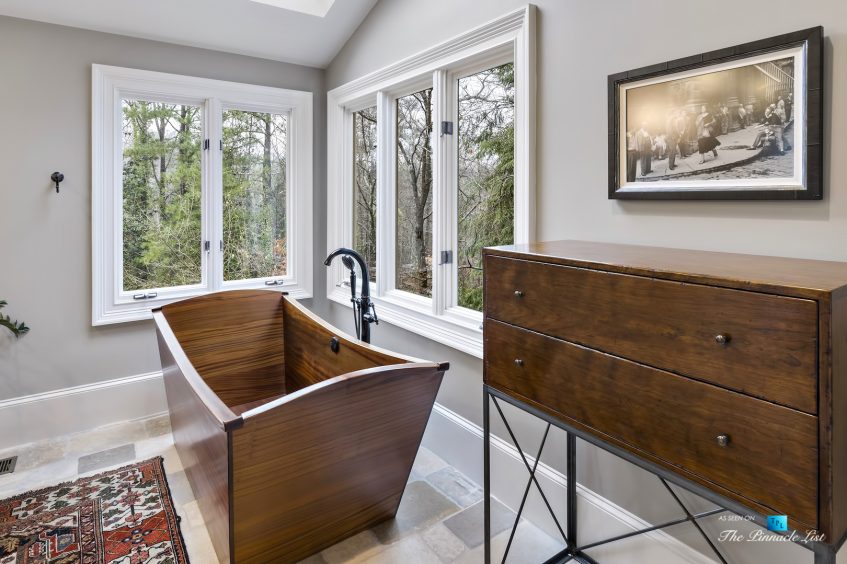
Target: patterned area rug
<point>123,516</point>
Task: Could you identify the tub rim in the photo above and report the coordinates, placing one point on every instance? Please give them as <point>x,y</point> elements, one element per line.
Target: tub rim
<point>226,418</point>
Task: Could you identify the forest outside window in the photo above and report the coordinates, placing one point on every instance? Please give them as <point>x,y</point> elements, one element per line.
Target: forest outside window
<point>198,186</point>
<point>485,175</point>
<point>429,161</point>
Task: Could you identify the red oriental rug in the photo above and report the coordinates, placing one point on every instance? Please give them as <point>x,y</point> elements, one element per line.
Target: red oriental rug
<point>123,516</point>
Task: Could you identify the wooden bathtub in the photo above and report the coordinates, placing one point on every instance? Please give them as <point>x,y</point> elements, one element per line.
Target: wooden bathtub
<point>289,446</point>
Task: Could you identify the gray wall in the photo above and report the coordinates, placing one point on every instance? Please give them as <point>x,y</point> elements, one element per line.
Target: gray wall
<point>579,44</point>
<point>45,238</point>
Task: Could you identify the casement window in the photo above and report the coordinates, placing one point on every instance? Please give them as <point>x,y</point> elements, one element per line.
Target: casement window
<point>429,161</point>
<point>198,186</point>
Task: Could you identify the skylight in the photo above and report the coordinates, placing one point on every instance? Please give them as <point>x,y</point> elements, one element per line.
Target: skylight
<point>312,7</point>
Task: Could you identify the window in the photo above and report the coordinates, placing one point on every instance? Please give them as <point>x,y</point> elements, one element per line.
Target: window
<point>161,173</point>
<point>430,161</point>
<point>486,173</point>
<point>414,193</point>
<point>198,185</point>
<point>254,206</point>
<point>364,186</point>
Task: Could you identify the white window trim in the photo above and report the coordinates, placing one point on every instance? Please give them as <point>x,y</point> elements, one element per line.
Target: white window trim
<point>456,327</point>
<point>109,86</point>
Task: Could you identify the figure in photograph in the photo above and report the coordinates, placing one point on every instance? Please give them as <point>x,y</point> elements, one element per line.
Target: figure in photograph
<point>706,139</point>
<point>644,144</point>
<point>631,157</point>
<point>672,138</point>
<point>712,126</point>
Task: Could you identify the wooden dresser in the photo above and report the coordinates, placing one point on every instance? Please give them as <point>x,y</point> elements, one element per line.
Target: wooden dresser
<point>729,370</point>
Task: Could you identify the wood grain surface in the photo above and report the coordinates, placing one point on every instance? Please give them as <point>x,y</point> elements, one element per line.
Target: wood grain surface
<point>309,357</point>
<point>202,443</point>
<point>802,278</point>
<point>661,308</point>
<point>327,462</point>
<point>290,447</point>
<point>234,340</point>
<point>771,351</point>
<point>676,418</point>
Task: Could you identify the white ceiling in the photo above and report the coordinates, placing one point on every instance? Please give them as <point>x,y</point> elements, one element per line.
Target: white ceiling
<point>246,27</point>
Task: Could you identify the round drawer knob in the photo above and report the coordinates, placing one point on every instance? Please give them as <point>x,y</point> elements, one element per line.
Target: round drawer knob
<point>519,363</point>
<point>722,440</point>
<point>518,294</point>
<point>722,339</point>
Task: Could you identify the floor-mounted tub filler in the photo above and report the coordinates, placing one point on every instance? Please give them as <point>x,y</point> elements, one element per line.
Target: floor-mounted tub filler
<point>293,435</point>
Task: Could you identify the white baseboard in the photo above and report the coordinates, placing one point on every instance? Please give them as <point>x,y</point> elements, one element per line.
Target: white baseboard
<point>459,442</point>
<point>70,410</point>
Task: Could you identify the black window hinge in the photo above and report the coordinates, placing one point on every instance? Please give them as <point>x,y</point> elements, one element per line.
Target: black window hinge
<point>206,145</point>
<point>446,257</point>
<point>446,128</point>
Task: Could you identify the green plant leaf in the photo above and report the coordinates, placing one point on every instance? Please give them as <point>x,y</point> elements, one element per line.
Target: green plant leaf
<point>18,328</point>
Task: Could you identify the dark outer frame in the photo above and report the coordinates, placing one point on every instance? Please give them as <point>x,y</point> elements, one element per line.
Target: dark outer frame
<point>811,39</point>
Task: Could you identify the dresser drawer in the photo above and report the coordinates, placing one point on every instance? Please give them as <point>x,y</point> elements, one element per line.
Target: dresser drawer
<point>771,456</point>
<point>760,344</point>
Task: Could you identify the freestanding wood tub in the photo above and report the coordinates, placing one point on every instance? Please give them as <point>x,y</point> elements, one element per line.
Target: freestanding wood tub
<point>292,435</point>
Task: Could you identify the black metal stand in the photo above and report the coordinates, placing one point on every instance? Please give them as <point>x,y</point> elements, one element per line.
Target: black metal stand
<point>573,551</point>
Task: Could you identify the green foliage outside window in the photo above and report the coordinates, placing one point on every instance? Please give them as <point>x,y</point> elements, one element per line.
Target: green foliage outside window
<point>162,194</point>
<point>486,173</point>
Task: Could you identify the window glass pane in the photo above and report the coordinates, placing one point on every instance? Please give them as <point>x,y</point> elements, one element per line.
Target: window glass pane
<point>161,195</point>
<point>486,173</point>
<point>364,186</point>
<point>414,193</point>
<point>254,194</point>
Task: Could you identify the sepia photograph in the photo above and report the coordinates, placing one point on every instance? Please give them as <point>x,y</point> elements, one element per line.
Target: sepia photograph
<point>736,123</point>
<point>724,127</point>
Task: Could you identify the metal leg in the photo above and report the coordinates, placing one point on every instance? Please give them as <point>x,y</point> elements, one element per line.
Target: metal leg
<point>486,432</point>
<point>571,493</point>
<point>525,494</point>
<point>529,468</point>
<point>694,522</point>
<point>573,552</point>
<point>824,555</point>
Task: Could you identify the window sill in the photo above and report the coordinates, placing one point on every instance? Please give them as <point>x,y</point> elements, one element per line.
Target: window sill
<point>129,313</point>
<point>459,332</point>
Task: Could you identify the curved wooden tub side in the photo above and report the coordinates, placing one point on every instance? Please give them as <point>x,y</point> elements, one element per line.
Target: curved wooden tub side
<point>328,451</point>
<point>327,462</point>
<point>199,423</point>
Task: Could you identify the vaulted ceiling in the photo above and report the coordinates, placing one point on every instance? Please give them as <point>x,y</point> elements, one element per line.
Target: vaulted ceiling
<point>284,30</point>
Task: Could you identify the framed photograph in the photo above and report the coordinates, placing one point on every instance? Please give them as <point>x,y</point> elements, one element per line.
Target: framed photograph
<point>742,123</point>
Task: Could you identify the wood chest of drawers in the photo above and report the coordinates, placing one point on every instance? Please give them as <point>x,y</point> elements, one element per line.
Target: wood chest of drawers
<point>726,369</point>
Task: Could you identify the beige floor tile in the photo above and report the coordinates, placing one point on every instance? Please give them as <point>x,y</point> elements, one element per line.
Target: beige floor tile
<point>37,454</point>
<point>421,506</point>
<point>363,545</point>
<point>427,462</point>
<point>530,545</point>
<point>158,426</point>
<point>411,550</point>
<point>444,543</point>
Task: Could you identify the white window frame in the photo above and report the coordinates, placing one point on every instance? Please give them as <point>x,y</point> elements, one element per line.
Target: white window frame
<point>508,38</point>
<point>111,85</point>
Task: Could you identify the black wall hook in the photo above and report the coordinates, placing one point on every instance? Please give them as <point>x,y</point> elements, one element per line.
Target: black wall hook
<point>57,177</point>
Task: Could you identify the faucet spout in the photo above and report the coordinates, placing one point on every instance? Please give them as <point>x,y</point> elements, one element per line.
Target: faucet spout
<point>363,307</point>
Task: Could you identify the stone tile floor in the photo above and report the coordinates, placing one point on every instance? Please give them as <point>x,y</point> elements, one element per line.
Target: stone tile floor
<point>439,520</point>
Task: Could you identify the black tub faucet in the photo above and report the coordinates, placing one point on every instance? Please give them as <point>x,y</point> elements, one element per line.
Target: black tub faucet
<point>364,312</point>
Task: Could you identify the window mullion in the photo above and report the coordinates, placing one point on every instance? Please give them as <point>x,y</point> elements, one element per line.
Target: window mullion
<point>386,190</point>
<point>443,192</point>
<point>213,194</point>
